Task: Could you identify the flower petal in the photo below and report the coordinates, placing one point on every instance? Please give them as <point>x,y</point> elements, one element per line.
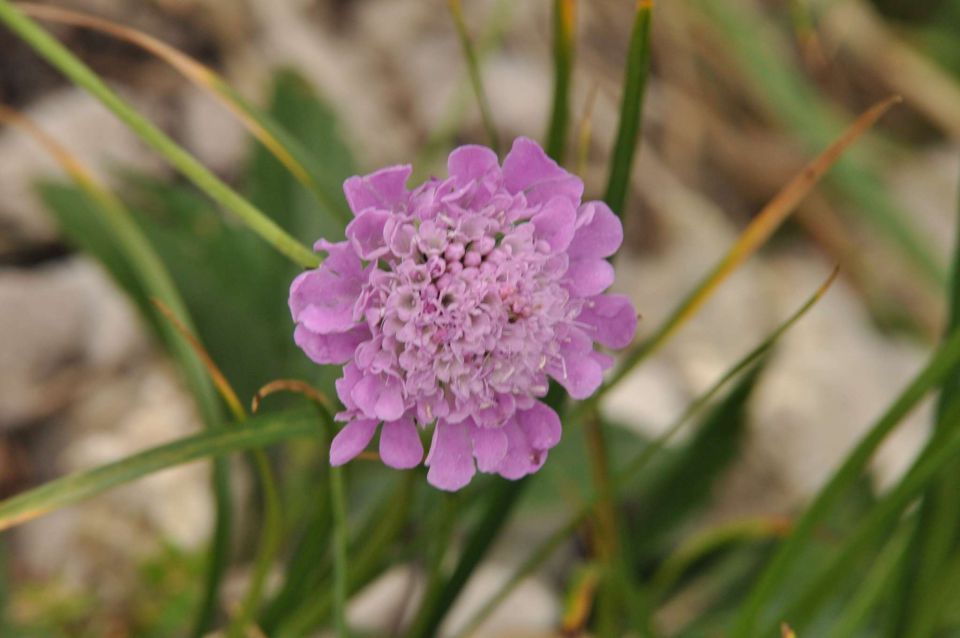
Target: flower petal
<point>351,440</point>
<point>588,277</point>
<point>612,318</point>
<point>577,371</point>
<point>389,405</point>
<point>521,459</point>
<point>599,232</point>
<point>400,445</point>
<point>541,425</point>
<point>555,223</point>
<point>381,189</point>
<point>472,162</point>
<point>527,169</point>
<point>335,348</point>
<point>365,233</point>
<point>451,457</point>
<point>489,447</point>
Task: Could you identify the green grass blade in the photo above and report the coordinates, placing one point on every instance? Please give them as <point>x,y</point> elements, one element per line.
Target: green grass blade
<point>473,67</point>
<point>874,526</point>
<point>937,536</point>
<point>631,109</point>
<point>255,433</point>
<point>83,76</point>
<point>564,34</point>
<point>777,570</point>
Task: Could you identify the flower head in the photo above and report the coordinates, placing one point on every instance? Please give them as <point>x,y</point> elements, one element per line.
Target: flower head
<point>454,303</point>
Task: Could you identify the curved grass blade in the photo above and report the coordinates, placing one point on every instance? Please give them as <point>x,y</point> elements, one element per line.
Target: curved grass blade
<point>254,433</point>
<point>777,570</point>
<point>473,67</point>
<point>288,151</point>
<point>753,237</point>
<point>540,555</point>
<point>79,73</point>
<point>564,27</point>
<point>631,109</point>
<point>111,235</point>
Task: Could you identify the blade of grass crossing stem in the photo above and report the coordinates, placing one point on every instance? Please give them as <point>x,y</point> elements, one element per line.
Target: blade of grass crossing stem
<point>71,489</point>
<point>874,526</point>
<point>282,145</point>
<point>203,178</point>
<point>631,109</point>
<point>768,220</point>
<point>273,521</point>
<point>151,279</point>
<point>632,469</point>
<point>939,366</point>
<point>564,29</point>
<point>937,535</point>
<point>473,68</point>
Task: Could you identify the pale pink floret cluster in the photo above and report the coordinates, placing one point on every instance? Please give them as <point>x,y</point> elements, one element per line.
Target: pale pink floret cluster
<point>454,303</point>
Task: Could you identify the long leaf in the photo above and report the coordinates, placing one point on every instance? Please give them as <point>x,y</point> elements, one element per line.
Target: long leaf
<point>83,76</point>
<point>564,26</point>
<point>256,432</point>
<point>631,108</point>
<point>939,366</point>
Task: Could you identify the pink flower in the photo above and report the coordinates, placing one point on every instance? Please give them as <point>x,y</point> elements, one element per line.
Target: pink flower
<point>455,302</point>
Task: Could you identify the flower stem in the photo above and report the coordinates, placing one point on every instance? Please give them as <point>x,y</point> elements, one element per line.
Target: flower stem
<point>473,67</point>
<point>564,18</point>
<point>339,510</point>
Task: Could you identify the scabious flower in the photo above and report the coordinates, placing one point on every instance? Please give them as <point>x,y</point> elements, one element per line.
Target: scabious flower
<point>454,303</point>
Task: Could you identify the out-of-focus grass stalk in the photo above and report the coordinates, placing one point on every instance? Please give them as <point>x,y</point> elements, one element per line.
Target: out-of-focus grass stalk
<point>55,53</point>
<point>876,585</point>
<point>777,570</point>
<point>704,544</point>
<point>564,36</point>
<point>937,536</point>
<point>775,85</point>
<point>874,525</point>
<point>632,469</point>
<point>341,534</point>
<point>473,67</point>
<point>216,442</point>
<point>273,517</point>
<point>281,144</point>
<point>155,281</point>
<point>631,108</point>
<point>753,237</point>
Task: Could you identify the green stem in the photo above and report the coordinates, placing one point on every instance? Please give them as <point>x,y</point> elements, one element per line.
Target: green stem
<point>564,18</point>
<point>473,67</point>
<point>339,509</point>
<point>631,109</point>
<point>83,76</point>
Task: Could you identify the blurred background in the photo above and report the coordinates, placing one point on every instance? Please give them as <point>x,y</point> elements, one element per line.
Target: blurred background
<point>742,94</point>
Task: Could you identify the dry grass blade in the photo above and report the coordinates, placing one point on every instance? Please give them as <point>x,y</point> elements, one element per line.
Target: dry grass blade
<point>219,381</point>
<point>198,73</point>
<point>580,602</point>
<point>767,221</point>
<point>289,385</point>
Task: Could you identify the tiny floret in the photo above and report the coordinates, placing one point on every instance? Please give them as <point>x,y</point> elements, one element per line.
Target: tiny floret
<point>452,305</point>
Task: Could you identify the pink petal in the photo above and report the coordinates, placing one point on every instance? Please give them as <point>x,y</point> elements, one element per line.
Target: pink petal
<point>351,440</point>
<point>389,405</point>
<point>336,348</point>
<point>365,232</point>
<point>588,277</point>
<point>346,383</point>
<point>578,371</point>
<point>451,457</point>
<point>599,232</point>
<point>322,299</point>
<point>613,319</point>
<point>489,447</point>
<point>472,162</point>
<point>555,223</point>
<point>400,445</point>
<point>541,425</point>
<point>521,459</point>
<point>527,169</point>
<point>382,189</point>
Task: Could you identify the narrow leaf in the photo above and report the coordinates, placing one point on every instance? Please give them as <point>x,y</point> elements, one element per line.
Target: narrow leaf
<point>564,27</point>
<point>473,67</point>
